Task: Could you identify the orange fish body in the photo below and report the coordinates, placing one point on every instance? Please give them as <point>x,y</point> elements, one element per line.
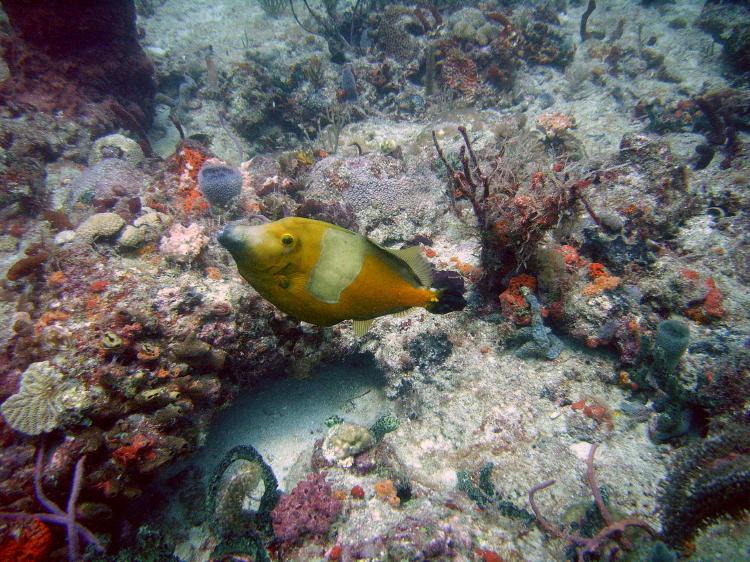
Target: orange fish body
<point>323,274</point>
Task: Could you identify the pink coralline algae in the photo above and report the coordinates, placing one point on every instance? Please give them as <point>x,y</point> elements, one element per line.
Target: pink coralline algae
<point>309,509</point>
<point>184,243</point>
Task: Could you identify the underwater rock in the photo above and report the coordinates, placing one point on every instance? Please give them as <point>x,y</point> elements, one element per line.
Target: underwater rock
<point>615,251</point>
<point>430,350</point>
<point>82,59</point>
<point>727,23</point>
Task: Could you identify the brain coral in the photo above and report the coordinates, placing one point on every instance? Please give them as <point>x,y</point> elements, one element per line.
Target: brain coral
<point>100,225</point>
<point>116,146</point>
<point>380,189</point>
<point>37,406</point>
<point>219,184</point>
<point>109,185</point>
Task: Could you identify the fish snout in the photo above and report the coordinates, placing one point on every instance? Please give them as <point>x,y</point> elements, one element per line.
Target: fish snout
<point>243,241</point>
<point>234,238</point>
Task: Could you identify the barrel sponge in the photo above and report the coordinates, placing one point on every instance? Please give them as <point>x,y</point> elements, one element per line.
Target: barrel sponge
<point>670,343</point>
<point>219,183</point>
<point>39,403</point>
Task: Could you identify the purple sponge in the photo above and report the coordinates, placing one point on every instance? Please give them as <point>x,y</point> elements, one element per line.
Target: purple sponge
<point>309,509</point>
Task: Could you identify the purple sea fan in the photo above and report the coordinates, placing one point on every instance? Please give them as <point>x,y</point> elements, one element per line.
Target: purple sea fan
<point>309,509</point>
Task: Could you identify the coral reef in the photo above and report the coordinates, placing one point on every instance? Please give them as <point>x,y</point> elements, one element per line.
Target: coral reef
<point>580,171</point>
<point>84,60</point>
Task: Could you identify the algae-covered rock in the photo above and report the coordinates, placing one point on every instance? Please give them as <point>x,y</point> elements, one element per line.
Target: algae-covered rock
<point>116,146</point>
<point>345,440</point>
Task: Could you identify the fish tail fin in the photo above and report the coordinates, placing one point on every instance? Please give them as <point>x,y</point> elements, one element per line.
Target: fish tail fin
<point>449,292</point>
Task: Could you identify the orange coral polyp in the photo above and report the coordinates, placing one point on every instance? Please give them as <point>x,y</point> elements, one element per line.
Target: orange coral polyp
<point>713,303</point>
<point>32,544</point>
<point>597,270</point>
<point>602,280</point>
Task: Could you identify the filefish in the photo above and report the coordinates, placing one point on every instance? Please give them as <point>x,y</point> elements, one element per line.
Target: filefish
<point>323,274</point>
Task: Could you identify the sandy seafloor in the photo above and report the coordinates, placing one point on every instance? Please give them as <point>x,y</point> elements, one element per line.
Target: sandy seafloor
<point>481,402</point>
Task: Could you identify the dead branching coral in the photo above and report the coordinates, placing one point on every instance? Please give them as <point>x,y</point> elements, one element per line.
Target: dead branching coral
<point>614,531</point>
<point>513,207</point>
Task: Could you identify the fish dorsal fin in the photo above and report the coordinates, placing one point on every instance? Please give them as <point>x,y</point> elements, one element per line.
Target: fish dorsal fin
<point>361,327</point>
<point>417,262</point>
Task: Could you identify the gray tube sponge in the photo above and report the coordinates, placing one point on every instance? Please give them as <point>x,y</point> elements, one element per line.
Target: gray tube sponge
<point>670,343</point>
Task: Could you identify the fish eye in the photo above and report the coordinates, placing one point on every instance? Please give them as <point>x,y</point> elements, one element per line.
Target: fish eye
<point>287,239</point>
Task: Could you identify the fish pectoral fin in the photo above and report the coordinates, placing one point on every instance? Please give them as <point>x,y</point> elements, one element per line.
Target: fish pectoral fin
<point>417,262</point>
<point>361,326</point>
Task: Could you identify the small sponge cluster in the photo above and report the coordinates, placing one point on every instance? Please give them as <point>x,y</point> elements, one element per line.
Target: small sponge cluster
<point>183,244</point>
<point>219,184</point>
<point>309,509</point>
